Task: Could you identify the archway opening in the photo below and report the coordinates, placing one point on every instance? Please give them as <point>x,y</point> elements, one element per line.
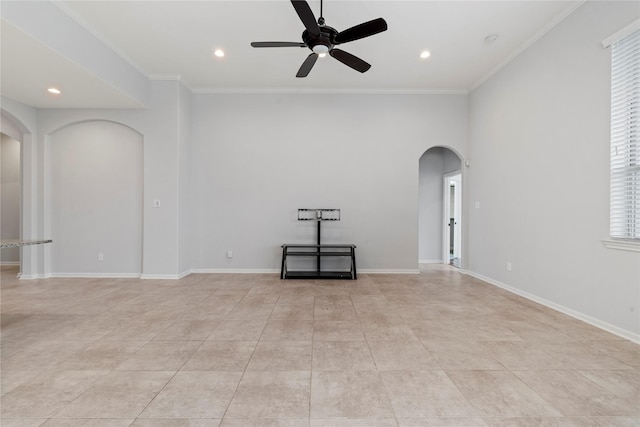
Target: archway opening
<point>440,207</point>
<point>16,196</point>
<point>10,193</point>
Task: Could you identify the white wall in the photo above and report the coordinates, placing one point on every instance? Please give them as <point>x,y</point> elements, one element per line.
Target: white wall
<point>47,23</point>
<point>159,127</point>
<point>10,196</point>
<point>233,176</point>
<point>96,199</point>
<point>258,158</point>
<point>434,164</point>
<point>539,145</point>
<point>186,230</point>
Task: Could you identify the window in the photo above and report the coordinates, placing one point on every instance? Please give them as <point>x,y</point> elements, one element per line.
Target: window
<point>625,137</point>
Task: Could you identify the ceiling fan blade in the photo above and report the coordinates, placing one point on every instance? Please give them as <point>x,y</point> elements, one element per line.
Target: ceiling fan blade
<point>306,16</point>
<point>361,31</point>
<point>278,44</point>
<point>350,60</point>
<point>307,65</point>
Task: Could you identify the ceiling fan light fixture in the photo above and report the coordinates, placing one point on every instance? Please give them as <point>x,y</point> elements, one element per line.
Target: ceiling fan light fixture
<point>320,49</point>
<point>322,55</point>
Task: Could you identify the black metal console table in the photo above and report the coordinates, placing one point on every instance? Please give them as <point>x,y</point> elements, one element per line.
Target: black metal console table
<point>319,250</point>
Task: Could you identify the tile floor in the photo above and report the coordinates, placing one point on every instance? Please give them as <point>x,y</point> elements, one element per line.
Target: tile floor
<point>435,349</point>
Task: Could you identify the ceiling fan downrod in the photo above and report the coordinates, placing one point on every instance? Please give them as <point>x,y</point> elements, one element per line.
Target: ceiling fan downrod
<point>321,18</point>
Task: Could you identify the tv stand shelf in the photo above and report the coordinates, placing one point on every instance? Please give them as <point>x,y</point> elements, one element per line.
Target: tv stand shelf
<point>319,252</point>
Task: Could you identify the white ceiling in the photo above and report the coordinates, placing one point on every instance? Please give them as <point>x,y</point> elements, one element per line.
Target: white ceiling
<point>169,39</point>
<point>29,68</point>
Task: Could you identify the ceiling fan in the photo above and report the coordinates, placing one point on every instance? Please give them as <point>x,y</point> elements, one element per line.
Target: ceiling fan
<point>322,39</point>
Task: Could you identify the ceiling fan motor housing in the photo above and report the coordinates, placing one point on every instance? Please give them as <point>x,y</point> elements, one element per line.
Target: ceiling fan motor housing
<point>325,38</point>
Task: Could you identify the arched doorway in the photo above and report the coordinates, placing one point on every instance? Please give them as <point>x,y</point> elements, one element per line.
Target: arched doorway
<point>21,195</point>
<point>10,179</point>
<point>96,200</point>
<point>439,209</point>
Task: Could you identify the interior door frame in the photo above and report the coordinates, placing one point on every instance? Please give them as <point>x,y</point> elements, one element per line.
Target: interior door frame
<point>456,178</point>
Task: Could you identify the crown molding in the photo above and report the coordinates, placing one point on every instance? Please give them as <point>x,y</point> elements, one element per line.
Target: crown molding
<point>331,91</point>
<point>622,33</point>
<point>171,78</point>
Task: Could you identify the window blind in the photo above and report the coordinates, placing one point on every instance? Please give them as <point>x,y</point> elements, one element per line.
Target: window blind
<point>625,137</point>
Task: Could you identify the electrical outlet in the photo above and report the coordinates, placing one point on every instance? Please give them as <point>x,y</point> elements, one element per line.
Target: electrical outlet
<point>229,254</point>
<point>100,256</point>
<point>508,266</point>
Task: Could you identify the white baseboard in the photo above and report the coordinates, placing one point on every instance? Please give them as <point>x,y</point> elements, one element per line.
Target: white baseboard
<point>91,275</point>
<point>165,276</point>
<point>184,274</point>
<point>277,271</point>
<point>194,271</point>
<point>382,271</point>
<point>430,261</point>
<point>623,333</point>
<point>144,276</point>
<point>160,277</point>
<point>9,263</point>
<point>31,276</point>
<point>235,271</point>
<point>103,276</point>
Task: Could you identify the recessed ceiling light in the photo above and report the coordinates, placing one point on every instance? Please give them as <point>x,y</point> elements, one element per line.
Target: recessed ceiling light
<point>491,38</point>
<point>54,91</point>
<point>425,54</point>
<point>219,53</point>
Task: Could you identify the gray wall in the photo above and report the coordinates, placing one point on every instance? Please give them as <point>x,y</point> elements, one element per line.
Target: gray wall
<point>186,232</point>
<point>96,199</point>
<point>258,158</point>
<point>540,171</point>
<point>159,126</point>
<point>231,170</point>
<point>10,196</point>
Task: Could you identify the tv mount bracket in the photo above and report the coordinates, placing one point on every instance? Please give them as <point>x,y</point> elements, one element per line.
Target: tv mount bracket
<point>318,214</point>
